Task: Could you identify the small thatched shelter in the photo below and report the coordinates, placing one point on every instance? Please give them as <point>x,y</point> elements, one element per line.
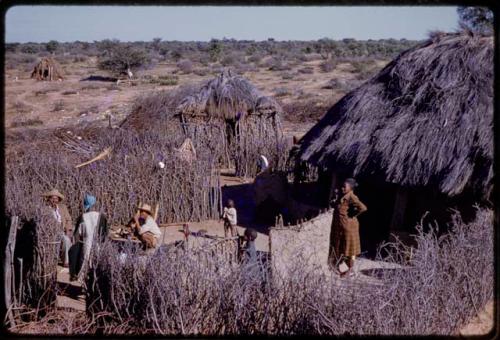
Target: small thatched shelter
<point>227,112</point>
<point>228,97</point>
<point>47,69</point>
<point>418,135</point>
<point>250,120</point>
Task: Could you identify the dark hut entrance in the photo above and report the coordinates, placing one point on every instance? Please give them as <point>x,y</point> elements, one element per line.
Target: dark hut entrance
<point>397,210</point>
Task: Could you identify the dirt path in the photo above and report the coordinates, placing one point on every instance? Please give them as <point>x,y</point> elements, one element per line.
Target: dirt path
<point>481,324</point>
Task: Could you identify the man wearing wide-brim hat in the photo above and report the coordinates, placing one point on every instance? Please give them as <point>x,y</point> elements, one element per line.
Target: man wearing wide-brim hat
<point>146,228</point>
<point>60,213</point>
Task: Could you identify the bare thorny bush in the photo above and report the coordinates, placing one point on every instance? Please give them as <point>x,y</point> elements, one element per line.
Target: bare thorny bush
<point>439,286</point>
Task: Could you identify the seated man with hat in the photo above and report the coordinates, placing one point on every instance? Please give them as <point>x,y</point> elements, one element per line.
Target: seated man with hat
<point>60,213</point>
<point>146,227</point>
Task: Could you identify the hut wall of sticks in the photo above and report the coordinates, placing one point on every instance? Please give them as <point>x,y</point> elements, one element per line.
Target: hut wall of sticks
<point>47,69</point>
<point>30,268</point>
<point>249,121</point>
<point>417,136</point>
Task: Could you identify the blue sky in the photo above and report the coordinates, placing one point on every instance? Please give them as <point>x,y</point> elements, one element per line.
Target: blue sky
<point>201,23</point>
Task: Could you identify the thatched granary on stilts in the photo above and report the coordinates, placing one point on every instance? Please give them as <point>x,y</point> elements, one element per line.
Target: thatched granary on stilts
<point>47,69</point>
<point>248,120</point>
<point>418,136</point>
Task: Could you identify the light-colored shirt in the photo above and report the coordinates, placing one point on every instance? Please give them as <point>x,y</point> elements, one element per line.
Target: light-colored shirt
<point>86,231</point>
<point>151,226</point>
<point>231,215</point>
<point>57,215</point>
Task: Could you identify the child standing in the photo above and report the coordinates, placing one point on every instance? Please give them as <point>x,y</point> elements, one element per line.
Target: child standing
<point>230,219</point>
<point>249,250</point>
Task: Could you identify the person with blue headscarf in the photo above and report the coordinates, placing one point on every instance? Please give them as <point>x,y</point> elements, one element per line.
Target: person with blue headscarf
<point>90,228</point>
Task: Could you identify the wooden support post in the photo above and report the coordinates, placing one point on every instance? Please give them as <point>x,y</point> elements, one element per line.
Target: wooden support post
<point>8,272</point>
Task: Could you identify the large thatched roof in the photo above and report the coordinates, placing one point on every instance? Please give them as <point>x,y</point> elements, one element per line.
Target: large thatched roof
<point>425,120</point>
<point>227,96</point>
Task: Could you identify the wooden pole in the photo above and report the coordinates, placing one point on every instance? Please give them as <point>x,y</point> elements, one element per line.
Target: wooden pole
<point>8,271</point>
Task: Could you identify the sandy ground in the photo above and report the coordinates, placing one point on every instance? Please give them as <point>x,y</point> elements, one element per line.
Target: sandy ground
<point>482,323</point>
<point>75,100</point>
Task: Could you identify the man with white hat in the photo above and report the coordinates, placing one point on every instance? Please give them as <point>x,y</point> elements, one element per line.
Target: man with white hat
<point>61,214</point>
<point>146,227</point>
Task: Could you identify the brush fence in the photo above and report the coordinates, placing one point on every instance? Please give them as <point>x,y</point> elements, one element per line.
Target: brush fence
<point>306,242</point>
<point>239,144</point>
<point>184,190</point>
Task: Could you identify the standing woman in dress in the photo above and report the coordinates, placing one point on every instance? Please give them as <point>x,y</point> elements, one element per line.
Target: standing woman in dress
<point>344,242</point>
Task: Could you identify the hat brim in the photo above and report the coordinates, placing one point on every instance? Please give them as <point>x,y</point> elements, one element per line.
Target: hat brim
<point>50,194</point>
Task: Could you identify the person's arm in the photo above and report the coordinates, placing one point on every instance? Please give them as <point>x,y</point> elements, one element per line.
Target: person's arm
<point>77,231</point>
<point>136,225</point>
<point>147,226</point>
<point>357,205</point>
<point>66,219</point>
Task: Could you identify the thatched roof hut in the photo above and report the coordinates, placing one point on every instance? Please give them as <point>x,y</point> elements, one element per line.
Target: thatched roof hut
<point>229,97</point>
<point>418,134</point>
<point>425,120</point>
<point>47,69</point>
<point>227,112</point>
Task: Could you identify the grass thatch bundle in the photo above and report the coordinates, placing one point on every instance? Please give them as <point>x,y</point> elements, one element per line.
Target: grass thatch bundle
<point>47,69</point>
<point>228,97</point>
<point>426,119</point>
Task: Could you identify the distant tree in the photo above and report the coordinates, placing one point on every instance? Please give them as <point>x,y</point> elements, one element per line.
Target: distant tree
<point>107,45</point>
<point>325,47</point>
<point>155,44</point>
<point>11,47</point>
<point>307,50</point>
<point>176,55</point>
<point>120,59</point>
<point>215,50</point>
<point>52,46</point>
<point>30,48</point>
<point>476,19</point>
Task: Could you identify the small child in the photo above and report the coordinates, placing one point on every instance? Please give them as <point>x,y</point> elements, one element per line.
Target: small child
<point>250,252</point>
<point>230,219</point>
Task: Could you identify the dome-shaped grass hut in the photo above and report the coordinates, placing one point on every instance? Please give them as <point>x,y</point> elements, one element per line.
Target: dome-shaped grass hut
<point>251,120</point>
<point>228,113</point>
<point>47,69</point>
<point>417,136</point>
